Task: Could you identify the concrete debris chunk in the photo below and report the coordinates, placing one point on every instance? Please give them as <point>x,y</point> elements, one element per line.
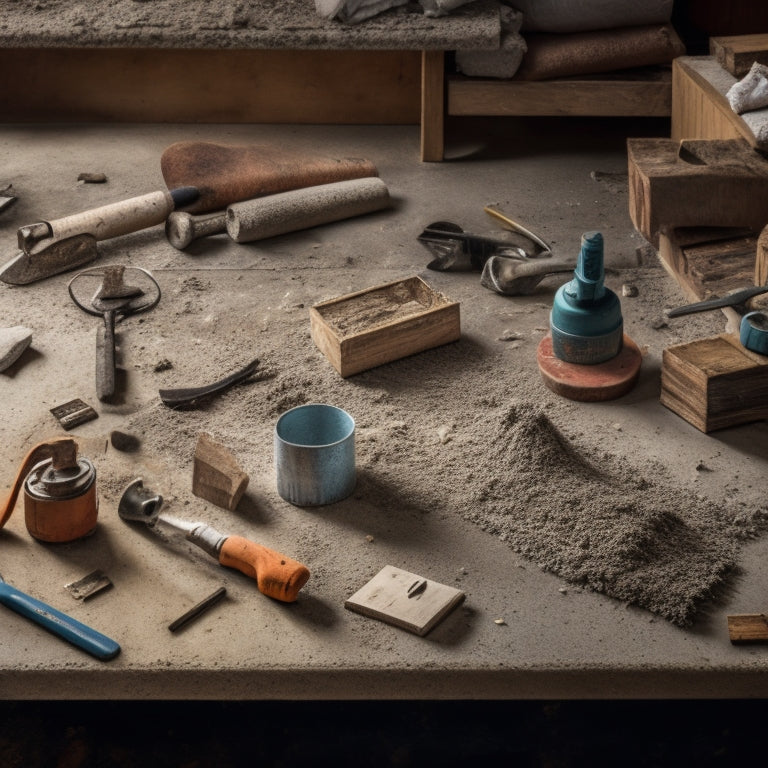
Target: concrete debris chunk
<point>13,341</point>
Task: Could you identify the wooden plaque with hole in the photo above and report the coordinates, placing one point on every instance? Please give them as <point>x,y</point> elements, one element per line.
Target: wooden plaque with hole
<point>405,600</point>
<point>384,323</point>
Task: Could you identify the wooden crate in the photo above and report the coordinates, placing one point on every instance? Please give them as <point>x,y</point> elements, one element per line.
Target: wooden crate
<point>384,323</point>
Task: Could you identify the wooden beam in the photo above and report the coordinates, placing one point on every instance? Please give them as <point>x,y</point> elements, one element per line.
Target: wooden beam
<point>210,86</point>
<point>607,97</point>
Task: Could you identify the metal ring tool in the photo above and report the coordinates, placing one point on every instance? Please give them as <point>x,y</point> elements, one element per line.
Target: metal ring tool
<point>113,300</point>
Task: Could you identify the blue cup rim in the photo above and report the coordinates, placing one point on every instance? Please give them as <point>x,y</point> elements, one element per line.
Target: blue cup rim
<point>324,406</point>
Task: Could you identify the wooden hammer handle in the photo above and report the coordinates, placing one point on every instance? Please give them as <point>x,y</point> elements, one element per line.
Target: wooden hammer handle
<point>277,576</point>
<point>115,219</point>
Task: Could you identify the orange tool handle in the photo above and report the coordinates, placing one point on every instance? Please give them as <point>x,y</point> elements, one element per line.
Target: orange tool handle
<point>277,576</point>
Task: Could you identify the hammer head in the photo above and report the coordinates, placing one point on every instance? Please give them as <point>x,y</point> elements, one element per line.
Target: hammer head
<point>140,504</point>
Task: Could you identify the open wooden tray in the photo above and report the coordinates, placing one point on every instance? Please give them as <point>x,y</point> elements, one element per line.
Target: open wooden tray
<point>384,323</point>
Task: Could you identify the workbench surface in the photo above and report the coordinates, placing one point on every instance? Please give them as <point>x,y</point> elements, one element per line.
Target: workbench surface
<point>521,632</point>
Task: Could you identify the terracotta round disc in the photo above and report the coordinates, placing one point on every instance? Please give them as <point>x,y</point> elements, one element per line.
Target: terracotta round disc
<point>590,383</point>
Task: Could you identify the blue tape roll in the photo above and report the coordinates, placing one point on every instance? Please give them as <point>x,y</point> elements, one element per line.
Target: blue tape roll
<point>753,332</point>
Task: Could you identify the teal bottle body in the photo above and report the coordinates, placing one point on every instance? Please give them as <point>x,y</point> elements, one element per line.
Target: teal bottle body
<point>586,323</point>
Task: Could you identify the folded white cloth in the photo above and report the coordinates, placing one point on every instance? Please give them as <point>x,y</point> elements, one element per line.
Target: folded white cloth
<point>503,62</point>
<point>441,7</point>
<point>354,11</point>
<point>751,92</point>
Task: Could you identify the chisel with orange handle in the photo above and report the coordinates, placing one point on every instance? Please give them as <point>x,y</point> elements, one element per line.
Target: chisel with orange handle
<point>276,575</point>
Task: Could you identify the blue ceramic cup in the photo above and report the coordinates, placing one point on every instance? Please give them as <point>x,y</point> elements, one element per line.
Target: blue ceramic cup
<point>315,455</point>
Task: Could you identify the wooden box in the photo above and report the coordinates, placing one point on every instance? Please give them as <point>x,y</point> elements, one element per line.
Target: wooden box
<point>384,323</point>
<point>715,383</point>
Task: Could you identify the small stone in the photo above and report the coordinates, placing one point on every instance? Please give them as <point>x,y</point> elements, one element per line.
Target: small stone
<point>500,622</point>
<point>629,290</point>
<point>509,335</point>
<point>13,341</point>
<point>658,324</point>
<point>444,433</point>
<point>617,426</point>
<point>563,590</point>
<point>163,365</point>
<point>122,441</point>
<point>369,538</point>
<point>646,256</point>
<point>92,178</point>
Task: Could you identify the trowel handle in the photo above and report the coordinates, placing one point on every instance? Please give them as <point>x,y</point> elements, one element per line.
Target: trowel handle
<point>277,576</point>
<point>60,624</point>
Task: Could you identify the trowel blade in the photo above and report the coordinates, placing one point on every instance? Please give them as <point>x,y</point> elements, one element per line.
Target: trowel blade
<point>57,257</point>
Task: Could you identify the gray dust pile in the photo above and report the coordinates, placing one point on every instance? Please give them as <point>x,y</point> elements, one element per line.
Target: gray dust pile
<point>603,526</point>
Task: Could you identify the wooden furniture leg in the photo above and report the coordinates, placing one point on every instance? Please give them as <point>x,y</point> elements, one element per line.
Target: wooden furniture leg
<point>432,105</point>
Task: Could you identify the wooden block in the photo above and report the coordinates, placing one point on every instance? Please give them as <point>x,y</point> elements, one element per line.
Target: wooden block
<point>715,383</point>
<point>405,600</point>
<point>216,475</point>
<point>761,258</point>
<point>738,52</point>
<point>381,324</point>
<point>709,261</point>
<point>695,183</point>
<point>748,628</point>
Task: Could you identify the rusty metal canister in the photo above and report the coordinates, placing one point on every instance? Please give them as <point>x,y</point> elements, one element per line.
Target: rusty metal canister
<point>60,501</point>
<point>61,504</point>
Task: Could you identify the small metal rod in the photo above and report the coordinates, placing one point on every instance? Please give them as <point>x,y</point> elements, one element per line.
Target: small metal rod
<point>198,609</point>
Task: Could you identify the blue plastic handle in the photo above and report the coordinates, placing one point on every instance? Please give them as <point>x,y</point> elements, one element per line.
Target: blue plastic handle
<point>59,623</point>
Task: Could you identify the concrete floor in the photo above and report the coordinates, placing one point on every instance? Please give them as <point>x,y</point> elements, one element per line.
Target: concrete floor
<point>556,643</point>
